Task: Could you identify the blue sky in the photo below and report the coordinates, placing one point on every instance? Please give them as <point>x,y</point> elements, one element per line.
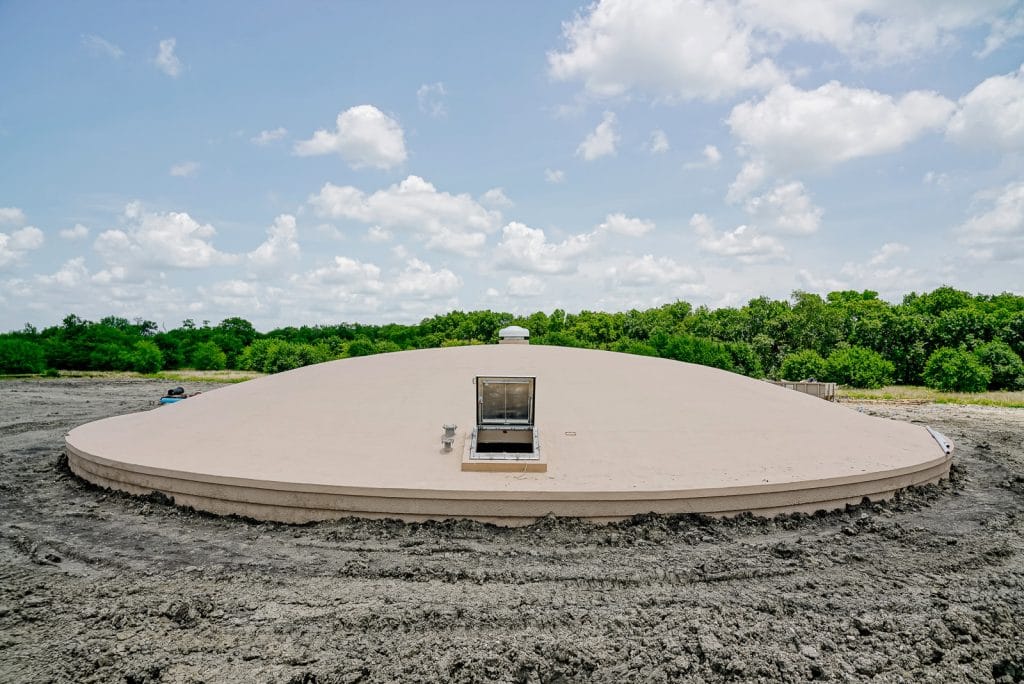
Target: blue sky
<point>313,162</point>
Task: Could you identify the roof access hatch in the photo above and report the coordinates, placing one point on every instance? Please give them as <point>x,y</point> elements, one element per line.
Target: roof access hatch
<point>505,438</point>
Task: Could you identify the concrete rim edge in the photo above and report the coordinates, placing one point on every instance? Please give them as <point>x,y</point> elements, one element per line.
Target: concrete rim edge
<point>296,506</point>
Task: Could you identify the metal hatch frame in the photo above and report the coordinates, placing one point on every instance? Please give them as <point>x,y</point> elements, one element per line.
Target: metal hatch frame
<point>505,419</point>
<point>486,381</point>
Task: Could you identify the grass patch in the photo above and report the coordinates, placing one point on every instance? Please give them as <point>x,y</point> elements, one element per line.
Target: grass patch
<point>186,375</point>
<point>926,394</point>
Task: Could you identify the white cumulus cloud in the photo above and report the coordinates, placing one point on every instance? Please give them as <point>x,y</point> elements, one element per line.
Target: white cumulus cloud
<point>554,176</point>
<point>792,129</point>
<point>280,248</point>
<point>813,282</point>
<point>184,169</point>
<point>456,242</point>
<point>419,280</point>
<point>992,115</point>
<point>786,208</point>
<point>235,295</point>
<point>12,216</point>
<point>623,225</point>
<point>345,286</point>
<point>166,60</point>
<point>745,243</point>
<point>269,136</point>
<point>170,239</point>
<point>601,141</point>
<point>430,98</point>
<point>26,239</point>
<point>496,197</point>
<point>877,273</point>
<point>1004,30</point>
<point>649,270</point>
<point>14,245</point>
<point>716,49</point>
<point>997,234</point>
<point>364,137</point>
<point>662,48</point>
<point>752,174</point>
<point>710,157</point>
<point>936,178</point>
<point>352,275</point>
<point>524,286</point>
<point>527,249</point>
<point>454,223</point>
<point>72,273</point>
<point>78,232</point>
<point>874,31</point>
<point>658,142</point>
<point>378,234</point>
<point>886,252</point>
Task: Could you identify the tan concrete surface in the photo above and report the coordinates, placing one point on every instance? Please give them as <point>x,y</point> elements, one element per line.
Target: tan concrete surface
<point>620,434</point>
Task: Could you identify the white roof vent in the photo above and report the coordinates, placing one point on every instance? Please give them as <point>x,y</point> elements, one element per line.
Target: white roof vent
<point>513,334</point>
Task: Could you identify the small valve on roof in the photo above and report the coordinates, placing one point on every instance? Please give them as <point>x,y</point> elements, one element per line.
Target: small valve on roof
<point>449,436</point>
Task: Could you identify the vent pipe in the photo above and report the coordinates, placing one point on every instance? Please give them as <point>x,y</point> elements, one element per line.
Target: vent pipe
<point>513,334</point>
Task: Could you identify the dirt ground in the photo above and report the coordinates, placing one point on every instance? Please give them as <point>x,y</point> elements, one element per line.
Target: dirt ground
<point>102,587</point>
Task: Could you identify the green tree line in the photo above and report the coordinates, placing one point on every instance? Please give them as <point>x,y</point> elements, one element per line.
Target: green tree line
<point>947,338</point>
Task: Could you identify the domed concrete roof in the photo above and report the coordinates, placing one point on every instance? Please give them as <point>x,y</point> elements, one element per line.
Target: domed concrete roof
<point>618,434</point>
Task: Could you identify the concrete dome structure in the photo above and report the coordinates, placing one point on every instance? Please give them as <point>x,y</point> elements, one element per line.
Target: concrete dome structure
<point>505,434</point>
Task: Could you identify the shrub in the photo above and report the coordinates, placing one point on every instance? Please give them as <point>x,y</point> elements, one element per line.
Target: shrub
<point>802,365</point>
<point>1007,367</point>
<point>956,370</point>
<point>460,343</point>
<point>387,347</point>
<point>281,356</point>
<point>310,354</point>
<point>744,359</point>
<point>561,338</point>
<point>145,357</point>
<point>361,346</point>
<point>20,356</point>
<point>858,367</point>
<point>633,347</point>
<point>209,356</point>
<point>275,356</point>
<point>695,350</point>
<point>254,357</point>
<point>113,356</point>
<point>335,346</point>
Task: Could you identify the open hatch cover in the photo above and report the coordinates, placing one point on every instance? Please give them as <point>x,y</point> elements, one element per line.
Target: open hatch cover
<point>504,401</point>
